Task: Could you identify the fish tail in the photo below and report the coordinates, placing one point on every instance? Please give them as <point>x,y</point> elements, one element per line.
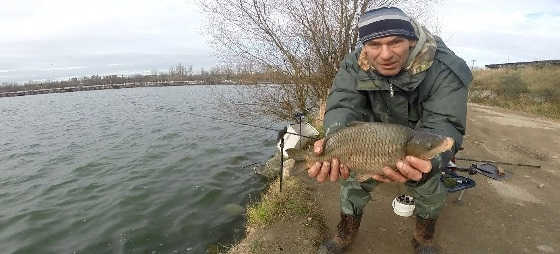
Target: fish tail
<point>296,154</point>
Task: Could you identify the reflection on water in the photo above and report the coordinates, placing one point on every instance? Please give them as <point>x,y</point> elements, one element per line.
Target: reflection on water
<point>123,171</point>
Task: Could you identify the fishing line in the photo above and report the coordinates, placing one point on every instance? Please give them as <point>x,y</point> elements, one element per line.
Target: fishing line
<point>280,131</point>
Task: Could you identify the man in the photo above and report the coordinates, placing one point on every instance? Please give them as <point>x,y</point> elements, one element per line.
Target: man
<point>402,75</point>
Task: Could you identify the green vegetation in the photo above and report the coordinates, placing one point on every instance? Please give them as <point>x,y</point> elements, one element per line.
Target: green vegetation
<point>293,201</point>
<point>283,222</point>
<point>533,90</point>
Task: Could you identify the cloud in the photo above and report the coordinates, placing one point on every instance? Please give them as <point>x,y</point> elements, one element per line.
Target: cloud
<point>536,15</point>
<point>499,31</point>
<point>66,68</point>
<point>39,34</point>
<point>41,38</point>
<point>134,63</point>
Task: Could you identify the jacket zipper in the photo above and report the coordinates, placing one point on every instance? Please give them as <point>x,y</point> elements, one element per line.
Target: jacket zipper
<point>391,92</point>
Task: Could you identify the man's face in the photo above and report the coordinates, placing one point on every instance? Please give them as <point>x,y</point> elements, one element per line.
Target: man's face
<point>388,54</point>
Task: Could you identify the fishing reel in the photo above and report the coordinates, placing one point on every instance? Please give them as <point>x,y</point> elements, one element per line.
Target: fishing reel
<point>403,205</point>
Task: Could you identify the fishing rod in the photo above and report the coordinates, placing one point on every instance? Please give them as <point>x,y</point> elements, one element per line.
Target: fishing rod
<point>499,162</point>
<point>281,133</point>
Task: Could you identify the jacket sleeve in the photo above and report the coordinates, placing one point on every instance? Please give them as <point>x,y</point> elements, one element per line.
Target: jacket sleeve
<point>445,112</point>
<point>344,103</point>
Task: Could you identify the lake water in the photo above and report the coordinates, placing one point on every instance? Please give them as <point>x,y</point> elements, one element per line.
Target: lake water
<point>125,171</point>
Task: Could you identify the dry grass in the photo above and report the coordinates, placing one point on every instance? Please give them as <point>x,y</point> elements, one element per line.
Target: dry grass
<point>533,90</point>
<point>283,222</point>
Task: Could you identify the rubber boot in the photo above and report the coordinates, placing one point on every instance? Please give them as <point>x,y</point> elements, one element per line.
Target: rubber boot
<point>347,229</point>
<point>423,240</point>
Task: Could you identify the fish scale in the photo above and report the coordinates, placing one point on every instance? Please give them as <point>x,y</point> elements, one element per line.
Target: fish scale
<point>366,148</point>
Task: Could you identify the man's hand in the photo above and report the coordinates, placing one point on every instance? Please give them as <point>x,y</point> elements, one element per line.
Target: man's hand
<point>331,169</point>
<point>411,168</point>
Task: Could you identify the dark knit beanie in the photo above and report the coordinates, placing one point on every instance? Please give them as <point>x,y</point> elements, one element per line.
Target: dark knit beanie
<point>385,21</point>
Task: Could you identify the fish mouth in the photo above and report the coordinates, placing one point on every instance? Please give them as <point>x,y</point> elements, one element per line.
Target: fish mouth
<point>447,143</point>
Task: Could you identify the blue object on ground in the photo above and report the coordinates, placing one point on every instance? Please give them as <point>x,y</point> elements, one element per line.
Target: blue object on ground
<point>455,182</point>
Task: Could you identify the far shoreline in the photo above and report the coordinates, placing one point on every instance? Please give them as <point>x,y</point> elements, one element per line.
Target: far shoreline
<point>122,85</point>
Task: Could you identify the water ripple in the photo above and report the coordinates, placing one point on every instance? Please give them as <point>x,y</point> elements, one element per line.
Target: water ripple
<point>123,171</point>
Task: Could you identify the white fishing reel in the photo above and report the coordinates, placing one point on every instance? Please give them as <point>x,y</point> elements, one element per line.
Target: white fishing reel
<point>403,205</point>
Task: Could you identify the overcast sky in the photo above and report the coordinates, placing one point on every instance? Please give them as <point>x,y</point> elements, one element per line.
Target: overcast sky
<point>58,39</point>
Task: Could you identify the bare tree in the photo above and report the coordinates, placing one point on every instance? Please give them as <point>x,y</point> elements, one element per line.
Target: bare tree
<point>304,40</point>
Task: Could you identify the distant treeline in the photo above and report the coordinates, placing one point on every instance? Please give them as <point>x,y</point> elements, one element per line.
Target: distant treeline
<point>180,72</point>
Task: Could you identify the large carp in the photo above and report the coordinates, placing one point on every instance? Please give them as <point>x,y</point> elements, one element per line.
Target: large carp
<point>368,147</point>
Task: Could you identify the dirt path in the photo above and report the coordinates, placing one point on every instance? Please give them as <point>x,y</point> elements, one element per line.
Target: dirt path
<point>518,215</point>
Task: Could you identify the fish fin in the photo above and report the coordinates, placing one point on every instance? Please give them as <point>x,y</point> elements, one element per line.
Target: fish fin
<point>364,177</point>
<point>296,154</point>
<point>366,174</point>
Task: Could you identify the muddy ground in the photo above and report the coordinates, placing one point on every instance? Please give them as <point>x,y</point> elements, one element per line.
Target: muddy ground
<point>518,215</point>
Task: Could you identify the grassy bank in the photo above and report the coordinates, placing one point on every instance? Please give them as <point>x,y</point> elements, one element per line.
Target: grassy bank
<point>283,222</point>
<point>533,90</point>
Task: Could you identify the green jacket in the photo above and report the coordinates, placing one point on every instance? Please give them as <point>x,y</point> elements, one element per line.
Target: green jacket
<point>430,94</point>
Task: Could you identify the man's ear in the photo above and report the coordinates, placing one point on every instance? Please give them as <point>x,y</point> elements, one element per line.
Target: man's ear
<point>412,43</point>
